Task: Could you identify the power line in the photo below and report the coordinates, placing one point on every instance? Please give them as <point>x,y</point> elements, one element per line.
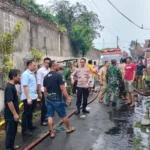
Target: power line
<point>95,9</point>
<point>90,6</point>
<point>104,15</point>
<point>141,27</point>
<point>105,20</point>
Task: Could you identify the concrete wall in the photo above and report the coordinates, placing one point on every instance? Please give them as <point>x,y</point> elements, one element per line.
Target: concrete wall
<point>37,33</point>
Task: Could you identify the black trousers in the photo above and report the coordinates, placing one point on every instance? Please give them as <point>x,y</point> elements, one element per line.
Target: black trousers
<point>11,130</point>
<point>27,115</point>
<point>122,89</point>
<point>82,93</point>
<point>74,89</point>
<point>44,109</point>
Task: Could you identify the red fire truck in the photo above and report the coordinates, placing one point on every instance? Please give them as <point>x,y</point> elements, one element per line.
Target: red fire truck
<point>114,53</point>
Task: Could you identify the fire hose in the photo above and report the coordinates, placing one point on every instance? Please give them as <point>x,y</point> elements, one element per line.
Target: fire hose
<point>40,139</point>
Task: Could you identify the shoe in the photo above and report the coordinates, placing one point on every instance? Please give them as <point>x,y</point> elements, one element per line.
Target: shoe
<point>114,104</point>
<point>85,111</point>
<point>46,118</point>
<point>33,128</point>
<point>27,133</point>
<point>77,112</point>
<point>44,123</point>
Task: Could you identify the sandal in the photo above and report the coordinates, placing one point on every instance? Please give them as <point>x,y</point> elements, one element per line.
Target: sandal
<point>127,103</point>
<point>16,147</point>
<point>72,130</point>
<point>132,105</point>
<point>52,135</point>
<point>100,101</point>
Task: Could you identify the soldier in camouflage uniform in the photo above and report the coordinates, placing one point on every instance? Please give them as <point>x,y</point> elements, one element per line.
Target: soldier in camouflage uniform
<point>69,71</point>
<point>114,78</point>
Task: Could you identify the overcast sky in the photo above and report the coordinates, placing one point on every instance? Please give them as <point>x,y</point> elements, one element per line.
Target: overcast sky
<point>115,24</point>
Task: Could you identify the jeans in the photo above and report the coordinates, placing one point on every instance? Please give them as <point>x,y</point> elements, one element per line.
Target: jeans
<point>43,109</point>
<point>56,105</point>
<point>11,130</point>
<point>27,115</point>
<point>82,93</point>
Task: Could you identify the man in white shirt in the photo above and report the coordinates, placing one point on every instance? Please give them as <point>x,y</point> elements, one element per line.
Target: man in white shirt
<point>41,73</point>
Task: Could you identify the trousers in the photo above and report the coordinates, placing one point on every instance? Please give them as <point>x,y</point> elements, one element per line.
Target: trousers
<point>112,89</point>
<point>74,88</point>
<point>27,115</point>
<point>11,130</point>
<point>102,91</point>
<point>43,109</point>
<point>82,93</point>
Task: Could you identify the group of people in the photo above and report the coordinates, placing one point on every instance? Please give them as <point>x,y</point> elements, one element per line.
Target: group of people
<point>117,80</point>
<point>50,85</point>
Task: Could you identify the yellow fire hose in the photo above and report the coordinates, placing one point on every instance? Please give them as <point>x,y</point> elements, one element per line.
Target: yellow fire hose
<point>2,122</point>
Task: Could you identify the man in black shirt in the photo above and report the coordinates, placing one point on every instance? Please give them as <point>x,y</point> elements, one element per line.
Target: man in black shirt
<point>11,110</point>
<point>139,74</point>
<point>54,89</point>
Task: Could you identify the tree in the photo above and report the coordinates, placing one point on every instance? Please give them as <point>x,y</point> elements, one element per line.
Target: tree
<point>136,50</point>
<point>80,23</point>
<point>36,55</point>
<point>24,2</point>
<point>80,38</point>
<point>41,10</point>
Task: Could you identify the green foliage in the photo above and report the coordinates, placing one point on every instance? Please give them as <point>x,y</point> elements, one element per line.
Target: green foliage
<point>80,38</point>
<point>6,67</point>
<point>133,45</point>
<point>143,128</point>
<point>41,10</point>
<point>24,2</point>
<point>7,40</point>
<point>36,55</point>
<point>82,25</point>
<point>62,28</point>
<point>138,143</point>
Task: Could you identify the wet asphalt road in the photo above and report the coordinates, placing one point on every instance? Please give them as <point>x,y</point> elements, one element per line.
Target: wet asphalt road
<point>105,128</point>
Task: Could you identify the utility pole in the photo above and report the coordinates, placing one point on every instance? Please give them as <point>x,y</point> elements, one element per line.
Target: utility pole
<point>117,42</point>
<point>103,45</point>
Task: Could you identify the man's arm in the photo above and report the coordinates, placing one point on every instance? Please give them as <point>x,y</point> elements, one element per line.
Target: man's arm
<point>72,76</point>
<point>45,92</point>
<point>25,81</point>
<point>12,109</point>
<point>100,76</point>
<point>64,92</point>
<point>39,81</point>
<point>26,91</point>
<point>63,89</point>
<point>134,73</point>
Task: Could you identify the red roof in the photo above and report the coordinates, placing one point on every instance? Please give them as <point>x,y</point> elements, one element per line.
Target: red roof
<point>112,51</point>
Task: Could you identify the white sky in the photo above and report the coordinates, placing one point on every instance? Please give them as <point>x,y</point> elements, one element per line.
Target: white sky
<point>117,25</point>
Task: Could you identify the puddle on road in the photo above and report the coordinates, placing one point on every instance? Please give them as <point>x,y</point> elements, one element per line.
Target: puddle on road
<point>125,135</point>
